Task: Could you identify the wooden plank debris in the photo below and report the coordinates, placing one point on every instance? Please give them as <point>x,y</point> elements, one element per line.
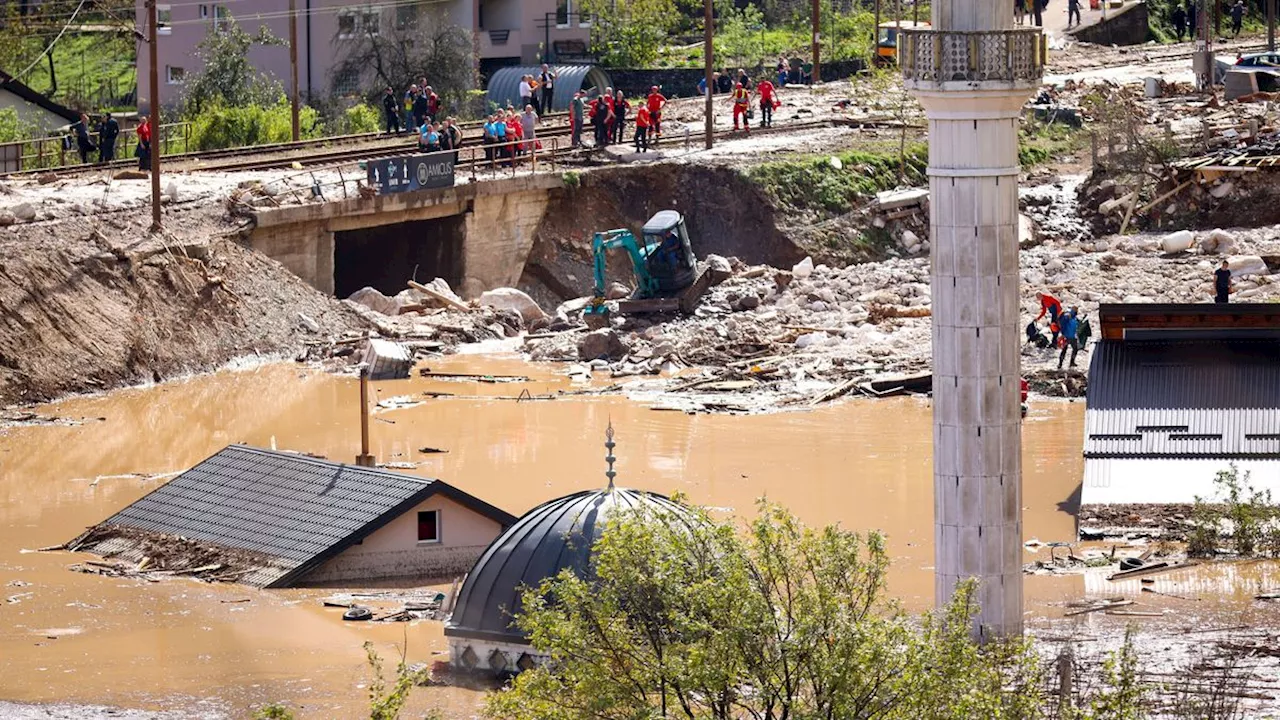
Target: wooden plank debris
<point>1154,569</point>
<point>1100,606</point>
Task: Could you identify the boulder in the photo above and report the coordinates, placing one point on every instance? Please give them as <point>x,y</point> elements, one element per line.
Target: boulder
<point>1178,241</point>
<point>1243,265</point>
<point>1222,190</point>
<point>7,218</point>
<point>910,241</point>
<point>720,268</point>
<point>171,191</point>
<point>781,279</point>
<point>800,270</point>
<point>750,301</point>
<point>26,212</point>
<point>814,339</point>
<point>570,311</point>
<point>513,299</point>
<point>616,291</point>
<point>376,301</point>
<point>440,286</point>
<point>602,343</point>
<point>1054,265</point>
<point>1218,242</point>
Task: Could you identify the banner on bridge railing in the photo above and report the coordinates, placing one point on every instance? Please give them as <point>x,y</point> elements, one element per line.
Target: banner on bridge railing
<point>412,172</point>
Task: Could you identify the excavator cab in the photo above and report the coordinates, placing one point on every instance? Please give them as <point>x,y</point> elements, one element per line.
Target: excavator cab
<point>668,254</point>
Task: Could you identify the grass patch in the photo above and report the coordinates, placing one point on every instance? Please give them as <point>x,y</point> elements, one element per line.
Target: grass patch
<point>95,71</point>
<point>1038,143</point>
<point>815,184</point>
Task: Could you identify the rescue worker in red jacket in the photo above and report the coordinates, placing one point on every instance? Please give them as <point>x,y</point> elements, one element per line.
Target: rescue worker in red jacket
<point>643,122</point>
<point>1053,307</point>
<point>764,89</point>
<point>741,106</point>
<point>655,102</point>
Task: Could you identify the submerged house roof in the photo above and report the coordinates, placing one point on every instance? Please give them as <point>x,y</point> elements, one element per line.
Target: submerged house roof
<point>1177,392</point>
<point>289,512</point>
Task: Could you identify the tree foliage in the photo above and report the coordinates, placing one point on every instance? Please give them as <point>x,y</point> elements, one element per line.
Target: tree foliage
<point>396,57</point>
<point>226,127</point>
<point>629,34</point>
<point>386,700</point>
<point>226,77</point>
<point>687,617</point>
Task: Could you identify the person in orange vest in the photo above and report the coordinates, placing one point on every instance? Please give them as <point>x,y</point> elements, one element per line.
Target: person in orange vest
<point>655,102</point>
<point>741,106</point>
<point>643,121</point>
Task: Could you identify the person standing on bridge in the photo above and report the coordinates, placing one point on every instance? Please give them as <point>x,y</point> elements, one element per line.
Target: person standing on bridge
<point>765,89</point>
<point>642,129</point>
<point>84,143</point>
<point>526,90</point>
<point>529,123</point>
<point>420,109</point>
<point>577,112</point>
<point>741,106</point>
<point>433,104</point>
<point>1073,10</point>
<point>143,151</point>
<point>655,102</point>
<point>392,111</point>
<point>108,131</point>
<point>1037,11</point>
<point>409,98</point>
<point>546,87</point>
<point>620,107</point>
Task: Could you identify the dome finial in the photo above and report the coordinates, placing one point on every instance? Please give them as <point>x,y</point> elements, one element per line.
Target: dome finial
<point>609,445</point>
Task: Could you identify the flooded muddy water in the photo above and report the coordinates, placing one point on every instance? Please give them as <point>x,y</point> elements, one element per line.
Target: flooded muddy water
<point>70,637</point>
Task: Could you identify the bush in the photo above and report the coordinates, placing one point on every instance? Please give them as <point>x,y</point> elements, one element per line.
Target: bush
<point>815,184</point>
<point>1251,514</point>
<point>227,127</point>
<point>358,119</point>
<point>11,126</point>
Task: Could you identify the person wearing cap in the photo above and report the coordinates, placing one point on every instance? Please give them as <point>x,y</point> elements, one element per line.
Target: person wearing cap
<point>655,102</point>
<point>741,105</point>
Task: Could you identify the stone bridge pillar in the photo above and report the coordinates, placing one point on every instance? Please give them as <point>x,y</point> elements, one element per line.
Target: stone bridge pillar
<point>972,72</point>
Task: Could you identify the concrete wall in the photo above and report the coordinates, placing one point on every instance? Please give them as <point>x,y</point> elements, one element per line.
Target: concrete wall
<point>1126,25</point>
<point>501,219</point>
<point>394,551</point>
<point>32,114</point>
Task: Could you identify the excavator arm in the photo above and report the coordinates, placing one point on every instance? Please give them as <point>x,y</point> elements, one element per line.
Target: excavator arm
<point>625,240</point>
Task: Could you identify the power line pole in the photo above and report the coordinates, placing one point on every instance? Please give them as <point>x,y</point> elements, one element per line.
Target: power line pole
<point>708,52</point>
<point>293,62</point>
<point>155,115</point>
<point>817,35</point>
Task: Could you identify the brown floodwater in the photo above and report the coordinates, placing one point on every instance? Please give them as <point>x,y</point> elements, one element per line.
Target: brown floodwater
<point>71,637</point>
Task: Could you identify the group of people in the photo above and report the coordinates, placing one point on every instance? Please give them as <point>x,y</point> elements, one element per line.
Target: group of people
<point>1036,8</point>
<point>419,106</point>
<point>508,134</point>
<point>607,114</point>
<point>742,90</point>
<point>1069,330</point>
<point>440,136</point>
<point>538,90</point>
<point>108,133</point>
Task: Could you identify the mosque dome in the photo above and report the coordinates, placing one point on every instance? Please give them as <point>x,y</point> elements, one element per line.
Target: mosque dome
<point>553,536</point>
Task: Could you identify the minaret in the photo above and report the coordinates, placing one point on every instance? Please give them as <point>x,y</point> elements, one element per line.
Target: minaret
<point>609,445</point>
<point>972,72</point>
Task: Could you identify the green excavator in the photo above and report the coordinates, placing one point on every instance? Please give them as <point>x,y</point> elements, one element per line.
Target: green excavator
<point>668,276</point>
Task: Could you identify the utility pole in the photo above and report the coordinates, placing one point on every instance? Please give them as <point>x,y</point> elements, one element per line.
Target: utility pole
<point>1271,25</point>
<point>155,115</point>
<point>293,63</point>
<point>708,52</point>
<point>817,36</point>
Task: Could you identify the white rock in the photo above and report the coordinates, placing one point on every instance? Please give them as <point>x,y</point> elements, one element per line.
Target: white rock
<point>835,163</point>
<point>25,212</point>
<point>513,299</point>
<point>1242,265</point>
<point>1054,265</point>
<point>802,269</point>
<point>308,322</point>
<point>1101,246</point>
<point>814,339</point>
<point>1223,190</point>
<point>171,191</point>
<point>1218,242</point>
<point>909,239</point>
<point>1177,241</point>
<point>376,301</point>
<point>7,218</point>
<point>1136,299</point>
<point>1026,229</point>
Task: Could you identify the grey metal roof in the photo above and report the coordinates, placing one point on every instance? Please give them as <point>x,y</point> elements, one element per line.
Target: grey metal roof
<point>662,221</point>
<point>504,85</point>
<point>296,510</point>
<point>549,538</point>
<point>1184,399</point>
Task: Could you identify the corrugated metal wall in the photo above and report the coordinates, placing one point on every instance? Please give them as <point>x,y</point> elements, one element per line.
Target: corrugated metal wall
<point>504,86</point>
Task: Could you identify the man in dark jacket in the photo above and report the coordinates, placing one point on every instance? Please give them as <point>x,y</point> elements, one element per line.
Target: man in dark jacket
<point>420,105</point>
<point>84,144</point>
<point>391,108</point>
<point>108,131</point>
<point>1222,283</point>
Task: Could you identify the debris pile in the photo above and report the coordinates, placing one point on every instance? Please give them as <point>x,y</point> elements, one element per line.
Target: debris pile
<point>154,556</point>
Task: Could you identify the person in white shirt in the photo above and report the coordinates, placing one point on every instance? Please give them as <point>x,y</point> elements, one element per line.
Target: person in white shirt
<point>526,90</point>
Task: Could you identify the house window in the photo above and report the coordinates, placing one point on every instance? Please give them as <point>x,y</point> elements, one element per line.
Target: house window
<point>564,14</point>
<point>370,21</point>
<point>164,20</point>
<point>407,16</point>
<point>347,82</point>
<point>204,12</point>
<point>428,526</point>
<point>221,18</point>
<point>346,25</point>
<point>174,75</point>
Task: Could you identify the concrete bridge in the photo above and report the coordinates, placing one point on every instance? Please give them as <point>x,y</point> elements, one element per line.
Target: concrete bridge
<point>474,235</point>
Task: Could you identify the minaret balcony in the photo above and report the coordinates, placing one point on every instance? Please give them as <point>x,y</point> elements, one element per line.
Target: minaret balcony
<point>934,60</point>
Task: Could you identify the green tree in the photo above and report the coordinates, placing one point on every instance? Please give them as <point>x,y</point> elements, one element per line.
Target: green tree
<point>226,77</point>
<point>629,34</point>
<point>687,617</point>
<point>380,57</point>
<point>387,700</point>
